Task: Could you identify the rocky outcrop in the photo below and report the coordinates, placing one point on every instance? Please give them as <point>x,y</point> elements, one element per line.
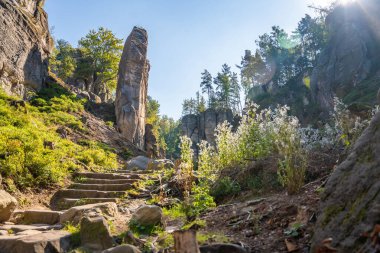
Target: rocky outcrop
<point>352,53</point>
<point>25,44</point>
<point>350,204</point>
<point>202,126</point>
<point>132,87</point>
<point>7,205</point>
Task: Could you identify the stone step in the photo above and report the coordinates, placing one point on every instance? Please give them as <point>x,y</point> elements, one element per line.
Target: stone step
<point>48,242</point>
<point>37,217</point>
<point>101,187</point>
<point>37,227</point>
<point>67,203</point>
<point>141,172</point>
<point>107,181</point>
<point>107,175</point>
<point>81,194</point>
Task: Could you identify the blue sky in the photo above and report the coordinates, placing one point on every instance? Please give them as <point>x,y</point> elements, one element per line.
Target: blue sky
<point>185,36</point>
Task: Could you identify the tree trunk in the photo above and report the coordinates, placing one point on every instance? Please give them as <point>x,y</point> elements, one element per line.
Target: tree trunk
<point>185,241</point>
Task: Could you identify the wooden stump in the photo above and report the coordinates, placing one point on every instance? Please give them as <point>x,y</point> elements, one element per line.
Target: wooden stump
<point>185,241</point>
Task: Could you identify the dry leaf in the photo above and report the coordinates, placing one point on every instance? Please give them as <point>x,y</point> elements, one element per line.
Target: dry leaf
<point>290,246</point>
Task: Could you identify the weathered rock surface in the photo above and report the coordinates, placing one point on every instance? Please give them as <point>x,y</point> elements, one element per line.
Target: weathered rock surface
<point>132,87</point>
<point>25,44</point>
<point>352,51</point>
<point>144,163</point>
<point>47,242</point>
<point>151,144</point>
<point>39,217</point>
<point>350,204</point>
<point>123,249</point>
<point>75,214</point>
<point>147,215</point>
<point>202,126</point>
<point>222,248</point>
<point>95,234</point>
<point>7,205</point>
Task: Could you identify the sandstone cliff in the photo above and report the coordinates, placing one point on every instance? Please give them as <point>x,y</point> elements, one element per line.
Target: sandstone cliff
<point>352,53</point>
<point>25,45</point>
<point>132,87</point>
<point>202,127</point>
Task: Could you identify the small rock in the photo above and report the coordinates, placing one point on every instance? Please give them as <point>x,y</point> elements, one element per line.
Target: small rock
<point>7,205</point>
<point>148,215</point>
<point>95,234</point>
<point>123,249</point>
<point>222,248</point>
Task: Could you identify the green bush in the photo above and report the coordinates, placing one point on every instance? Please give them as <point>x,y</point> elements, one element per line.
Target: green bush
<point>225,187</point>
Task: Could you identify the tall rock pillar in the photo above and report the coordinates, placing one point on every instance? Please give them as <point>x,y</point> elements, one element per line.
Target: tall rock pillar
<point>132,87</point>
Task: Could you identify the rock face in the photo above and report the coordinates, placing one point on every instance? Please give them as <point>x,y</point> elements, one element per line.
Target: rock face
<point>350,204</point>
<point>151,145</point>
<point>7,205</point>
<point>148,215</point>
<point>132,87</point>
<point>352,53</point>
<point>202,126</point>
<point>25,44</point>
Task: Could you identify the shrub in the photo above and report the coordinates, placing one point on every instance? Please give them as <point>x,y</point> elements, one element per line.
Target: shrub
<point>225,187</point>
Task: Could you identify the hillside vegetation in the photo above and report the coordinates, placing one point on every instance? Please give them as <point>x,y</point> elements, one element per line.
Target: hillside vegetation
<point>34,148</point>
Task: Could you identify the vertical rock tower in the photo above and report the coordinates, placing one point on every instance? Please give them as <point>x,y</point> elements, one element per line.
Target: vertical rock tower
<point>132,87</point>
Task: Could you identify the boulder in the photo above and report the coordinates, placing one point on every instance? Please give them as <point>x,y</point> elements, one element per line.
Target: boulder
<point>7,205</point>
<point>95,234</point>
<point>144,163</point>
<point>123,249</point>
<point>222,248</point>
<point>132,87</point>
<point>76,213</point>
<point>350,204</point>
<point>46,242</point>
<point>25,44</point>
<point>147,215</point>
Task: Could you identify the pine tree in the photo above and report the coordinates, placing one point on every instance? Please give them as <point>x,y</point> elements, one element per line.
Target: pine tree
<point>207,87</point>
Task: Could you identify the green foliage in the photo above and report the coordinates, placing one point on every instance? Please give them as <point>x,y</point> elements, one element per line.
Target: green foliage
<point>75,233</point>
<point>62,61</point>
<point>100,53</point>
<point>139,229</point>
<point>225,187</point>
<point>260,135</point>
<point>169,130</point>
<point>25,158</point>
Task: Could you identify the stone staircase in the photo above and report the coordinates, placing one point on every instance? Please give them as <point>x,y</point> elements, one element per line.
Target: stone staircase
<point>90,188</point>
<point>42,231</point>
